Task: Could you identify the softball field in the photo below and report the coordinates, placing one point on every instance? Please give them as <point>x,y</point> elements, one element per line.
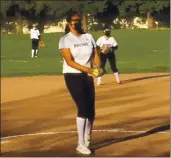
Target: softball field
<point>132,119</point>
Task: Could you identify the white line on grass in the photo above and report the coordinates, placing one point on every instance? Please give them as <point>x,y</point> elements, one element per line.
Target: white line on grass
<point>3,139</point>
<point>22,61</point>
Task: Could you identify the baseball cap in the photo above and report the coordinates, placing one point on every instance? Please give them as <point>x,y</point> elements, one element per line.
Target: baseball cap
<point>34,25</point>
<point>106,30</point>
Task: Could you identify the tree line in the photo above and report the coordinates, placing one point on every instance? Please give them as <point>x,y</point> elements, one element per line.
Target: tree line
<point>48,12</point>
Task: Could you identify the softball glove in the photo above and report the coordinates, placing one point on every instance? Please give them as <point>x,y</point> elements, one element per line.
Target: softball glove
<point>106,49</point>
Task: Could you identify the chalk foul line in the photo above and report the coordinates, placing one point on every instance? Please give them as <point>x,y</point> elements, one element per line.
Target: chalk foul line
<point>5,139</point>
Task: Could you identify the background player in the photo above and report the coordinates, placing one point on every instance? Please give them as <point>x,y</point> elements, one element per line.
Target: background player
<point>35,37</point>
<point>108,45</point>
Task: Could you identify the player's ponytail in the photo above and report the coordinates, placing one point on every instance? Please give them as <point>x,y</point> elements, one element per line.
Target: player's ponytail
<point>67,29</point>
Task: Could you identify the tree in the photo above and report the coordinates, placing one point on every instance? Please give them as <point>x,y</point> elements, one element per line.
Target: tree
<point>145,8</point>
<point>53,11</point>
<point>109,13</point>
<point>149,7</point>
<point>4,7</point>
<point>42,11</point>
<point>128,9</point>
<point>61,8</point>
<point>92,8</point>
<point>5,4</point>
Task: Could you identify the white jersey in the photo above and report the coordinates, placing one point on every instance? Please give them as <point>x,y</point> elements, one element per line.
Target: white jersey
<point>110,42</point>
<point>81,48</point>
<point>34,33</point>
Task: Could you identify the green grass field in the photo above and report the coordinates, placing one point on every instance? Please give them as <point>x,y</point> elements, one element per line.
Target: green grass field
<point>139,51</point>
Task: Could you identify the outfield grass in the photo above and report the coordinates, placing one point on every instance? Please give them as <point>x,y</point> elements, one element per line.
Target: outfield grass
<point>139,51</point>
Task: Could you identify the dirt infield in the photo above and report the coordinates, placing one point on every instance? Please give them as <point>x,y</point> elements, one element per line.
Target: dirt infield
<point>132,119</point>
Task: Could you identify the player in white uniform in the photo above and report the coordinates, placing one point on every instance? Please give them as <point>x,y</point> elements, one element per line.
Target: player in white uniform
<point>79,52</point>
<point>108,45</point>
<point>35,37</point>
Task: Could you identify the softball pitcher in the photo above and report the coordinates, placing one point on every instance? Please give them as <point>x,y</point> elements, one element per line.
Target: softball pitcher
<point>79,52</point>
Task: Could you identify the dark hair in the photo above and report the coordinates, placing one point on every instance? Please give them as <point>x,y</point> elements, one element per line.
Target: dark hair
<point>67,29</point>
<point>68,20</point>
<point>71,14</point>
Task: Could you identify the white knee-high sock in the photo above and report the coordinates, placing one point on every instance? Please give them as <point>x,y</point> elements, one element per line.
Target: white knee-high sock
<point>88,126</point>
<point>32,53</point>
<point>36,52</point>
<point>117,76</point>
<point>99,80</point>
<point>80,129</point>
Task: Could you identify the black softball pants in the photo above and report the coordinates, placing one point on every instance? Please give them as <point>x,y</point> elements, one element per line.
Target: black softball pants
<point>112,60</point>
<point>35,44</point>
<point>82,91</point>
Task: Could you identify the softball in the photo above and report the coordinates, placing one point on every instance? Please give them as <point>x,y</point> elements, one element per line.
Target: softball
<point>95,72</point>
